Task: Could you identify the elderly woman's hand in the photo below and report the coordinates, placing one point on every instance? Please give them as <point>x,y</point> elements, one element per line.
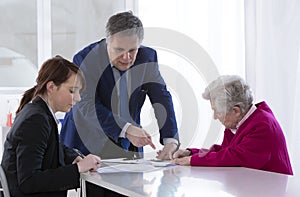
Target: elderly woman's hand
<point>184,161</point>
<point>181,153</point>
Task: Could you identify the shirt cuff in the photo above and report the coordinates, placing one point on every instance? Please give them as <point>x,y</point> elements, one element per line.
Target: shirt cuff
<point>170,140</point>
<point>122,134</point>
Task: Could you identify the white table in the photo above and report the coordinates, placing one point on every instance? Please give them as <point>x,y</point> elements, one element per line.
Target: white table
<point>198,181</point>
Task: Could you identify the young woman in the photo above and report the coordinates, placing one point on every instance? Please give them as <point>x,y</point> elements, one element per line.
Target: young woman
<point>35,162</point>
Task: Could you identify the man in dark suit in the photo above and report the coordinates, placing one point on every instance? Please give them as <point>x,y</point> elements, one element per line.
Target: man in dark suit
<point>120,72</point>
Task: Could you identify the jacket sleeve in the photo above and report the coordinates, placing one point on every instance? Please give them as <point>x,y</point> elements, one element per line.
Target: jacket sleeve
<point>253,150</point>
<point>111,124</point>
<point>31,152</point>
<point>158,94</point>
<point>70,154</point>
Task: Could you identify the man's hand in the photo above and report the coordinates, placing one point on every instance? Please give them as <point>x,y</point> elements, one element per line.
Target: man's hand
<point>138,137</point>
<point>167,152</point>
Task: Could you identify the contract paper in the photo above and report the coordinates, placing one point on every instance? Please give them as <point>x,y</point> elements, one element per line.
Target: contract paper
<point>136,165</point>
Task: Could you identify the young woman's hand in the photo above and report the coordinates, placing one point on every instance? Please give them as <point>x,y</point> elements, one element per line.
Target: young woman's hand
<point>77,159</point>
<point>89,163</point>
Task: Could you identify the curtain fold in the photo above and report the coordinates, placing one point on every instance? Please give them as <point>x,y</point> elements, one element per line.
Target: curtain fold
<point>272,43</point>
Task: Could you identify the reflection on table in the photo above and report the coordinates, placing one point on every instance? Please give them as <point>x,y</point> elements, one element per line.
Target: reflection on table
<point>197,181</point>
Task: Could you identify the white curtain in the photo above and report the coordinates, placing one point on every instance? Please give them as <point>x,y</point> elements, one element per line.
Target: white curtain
<point>272,58</point>
<point>195,27</point>
<point>257,39</point>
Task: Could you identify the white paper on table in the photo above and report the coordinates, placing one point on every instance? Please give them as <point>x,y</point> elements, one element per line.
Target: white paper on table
<point>127,168</point>
<point>153,162</point>
<point>160,163</point>
<point>136,165</point>
<point>121,161</point>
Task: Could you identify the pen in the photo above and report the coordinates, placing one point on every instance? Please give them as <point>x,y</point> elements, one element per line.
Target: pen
<point>79,153</point>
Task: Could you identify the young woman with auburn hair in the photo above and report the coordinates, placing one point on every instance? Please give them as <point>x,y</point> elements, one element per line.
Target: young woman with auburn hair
<point>35,162</point>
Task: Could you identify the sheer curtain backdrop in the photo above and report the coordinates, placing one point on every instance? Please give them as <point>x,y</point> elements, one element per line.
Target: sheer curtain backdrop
<point>215,26</point>
<point>256,39</point>
<point>272,55</point>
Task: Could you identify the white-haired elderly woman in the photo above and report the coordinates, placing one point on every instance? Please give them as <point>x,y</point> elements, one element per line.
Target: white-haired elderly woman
<point>252,138</point>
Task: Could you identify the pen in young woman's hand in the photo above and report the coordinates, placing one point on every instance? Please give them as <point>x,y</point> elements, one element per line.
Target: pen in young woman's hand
<point>79,153</point>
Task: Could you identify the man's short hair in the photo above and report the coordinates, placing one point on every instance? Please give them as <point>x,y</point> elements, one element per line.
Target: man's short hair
<point>126,24</point>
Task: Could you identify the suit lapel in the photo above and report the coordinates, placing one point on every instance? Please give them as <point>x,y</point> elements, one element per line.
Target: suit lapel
<point>59,148</point>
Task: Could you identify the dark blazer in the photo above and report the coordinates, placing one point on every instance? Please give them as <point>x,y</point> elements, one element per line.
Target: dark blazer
<point>34,161</point>
<point>94,122</point>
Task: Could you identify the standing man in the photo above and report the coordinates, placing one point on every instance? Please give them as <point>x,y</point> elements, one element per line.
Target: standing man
<point>120,72</point>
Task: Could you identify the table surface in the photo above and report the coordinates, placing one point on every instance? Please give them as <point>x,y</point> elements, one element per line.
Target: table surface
<point>198,181</point>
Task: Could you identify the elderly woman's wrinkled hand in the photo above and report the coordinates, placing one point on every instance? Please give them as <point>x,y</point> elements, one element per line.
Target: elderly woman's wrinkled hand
<point>181,153</point>
<point>184,161</point>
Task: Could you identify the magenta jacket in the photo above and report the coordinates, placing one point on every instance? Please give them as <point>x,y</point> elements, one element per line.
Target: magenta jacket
<point>259,143</point>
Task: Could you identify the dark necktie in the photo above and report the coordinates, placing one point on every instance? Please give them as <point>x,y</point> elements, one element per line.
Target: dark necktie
<point>124,105</point>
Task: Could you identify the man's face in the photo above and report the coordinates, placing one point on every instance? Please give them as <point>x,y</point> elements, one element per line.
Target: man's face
<point>122,50</point>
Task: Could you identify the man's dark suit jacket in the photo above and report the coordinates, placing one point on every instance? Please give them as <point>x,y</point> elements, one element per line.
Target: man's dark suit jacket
<point>34,161</point>
<point>93,123</point>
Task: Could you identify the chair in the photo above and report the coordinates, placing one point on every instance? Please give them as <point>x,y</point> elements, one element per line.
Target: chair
<point>4,183</point>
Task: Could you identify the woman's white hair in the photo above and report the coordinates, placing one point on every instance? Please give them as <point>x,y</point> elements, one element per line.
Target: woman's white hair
<point>228,91</point>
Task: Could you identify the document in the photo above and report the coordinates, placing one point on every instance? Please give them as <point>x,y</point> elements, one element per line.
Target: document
<point>127,168</point>
<point>122,161</point>
<point>160,163</point>
<point>153,162</point>
<point>135,165</point>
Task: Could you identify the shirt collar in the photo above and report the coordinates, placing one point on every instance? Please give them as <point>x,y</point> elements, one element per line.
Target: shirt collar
<point>56,120</point>
<point>251,110</point>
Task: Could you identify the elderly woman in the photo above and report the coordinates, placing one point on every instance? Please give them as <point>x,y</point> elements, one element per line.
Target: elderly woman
<point>252,138</point>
